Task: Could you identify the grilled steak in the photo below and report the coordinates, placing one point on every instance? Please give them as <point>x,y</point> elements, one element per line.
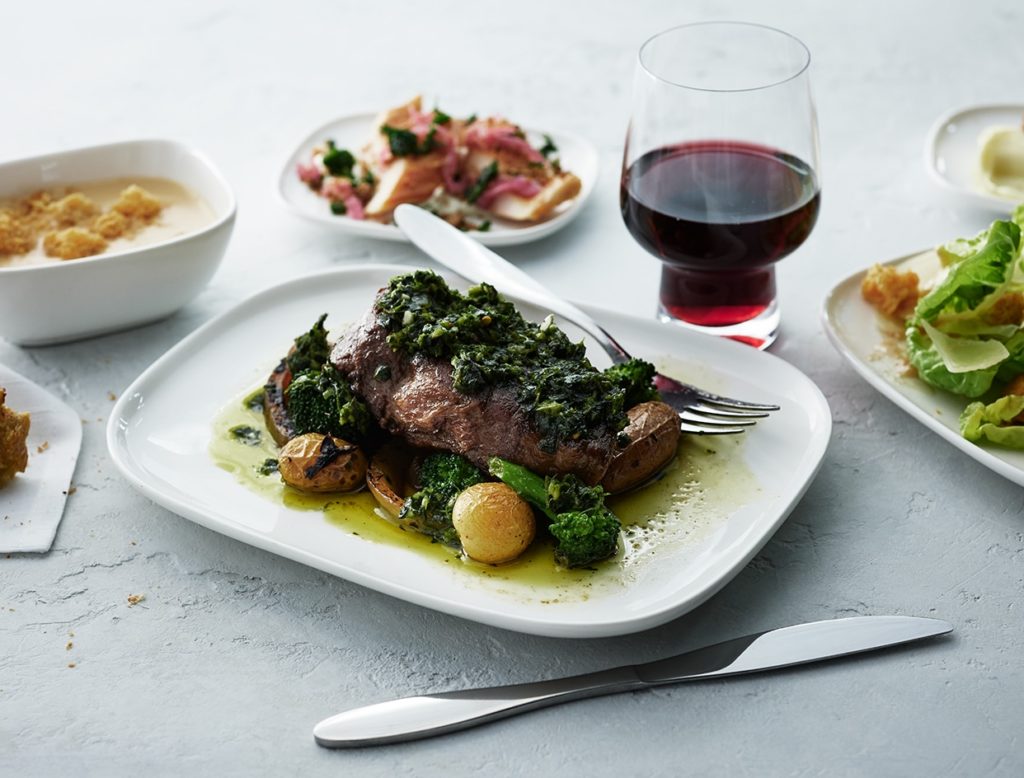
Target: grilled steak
<point>414,397</point>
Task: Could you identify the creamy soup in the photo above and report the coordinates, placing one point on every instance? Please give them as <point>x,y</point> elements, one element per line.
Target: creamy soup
<point>102,219</point>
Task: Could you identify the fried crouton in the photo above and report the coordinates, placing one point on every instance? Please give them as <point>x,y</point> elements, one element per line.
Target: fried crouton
<point>15,236</point>
<point>893,293</point>
<point>73,210</point>
<point>73,243</point>
<point>136,203</point>
<point>13,436</point>
<point>1008,309</point>
<point>111,225</point>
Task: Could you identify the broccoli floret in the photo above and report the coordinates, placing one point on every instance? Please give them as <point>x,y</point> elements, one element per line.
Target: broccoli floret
<point>636,378</point>
<point>339,162</point>
<point>585,529</point>
<point>585,536</point>
<point>311,349</point>
<point>321,401</point>
<point>442,477</point>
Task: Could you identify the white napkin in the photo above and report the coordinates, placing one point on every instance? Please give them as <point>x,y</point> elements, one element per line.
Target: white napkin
<point>32,504</point>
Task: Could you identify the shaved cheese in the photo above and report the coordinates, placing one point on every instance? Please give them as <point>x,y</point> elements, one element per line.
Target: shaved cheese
<point>963,355</point>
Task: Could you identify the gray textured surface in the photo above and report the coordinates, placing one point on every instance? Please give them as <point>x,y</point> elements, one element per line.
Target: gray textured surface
<point>234,653</point>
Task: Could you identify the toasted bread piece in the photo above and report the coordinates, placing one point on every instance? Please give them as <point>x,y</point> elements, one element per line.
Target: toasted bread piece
<point>13,436</point>
<point>562,187</point>
<point>405,180</point>
<point>400,180</point>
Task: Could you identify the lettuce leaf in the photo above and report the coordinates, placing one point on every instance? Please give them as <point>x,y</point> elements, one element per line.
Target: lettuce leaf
<point>976,276</point>
<point>993,422</point>
<point>931,368</point>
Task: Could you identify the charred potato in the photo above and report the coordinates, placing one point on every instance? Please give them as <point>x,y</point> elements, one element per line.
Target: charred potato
<point>321,463</point>
<point>388,477</point>
<point>274,411</point>
<point>653,431</point>
<point>494,523</point>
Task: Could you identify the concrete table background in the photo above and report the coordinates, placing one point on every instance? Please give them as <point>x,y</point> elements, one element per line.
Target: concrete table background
<point>234,654</point>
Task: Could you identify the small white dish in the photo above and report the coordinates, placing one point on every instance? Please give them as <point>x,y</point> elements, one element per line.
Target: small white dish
<point>160,444</point>
<point>31,506</point>
<point>62,301</point>
<point>856,330</point>
<point>352,132</point>
<point>952,150</point>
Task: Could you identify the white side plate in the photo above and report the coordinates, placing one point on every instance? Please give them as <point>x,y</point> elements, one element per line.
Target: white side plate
<point>32,504</point>
<point>159,441</point>
<point>854,328</point>
<point>577,155</point>
<point>952,150</point>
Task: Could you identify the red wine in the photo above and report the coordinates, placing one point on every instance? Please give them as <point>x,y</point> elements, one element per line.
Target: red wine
<point>719,214</point>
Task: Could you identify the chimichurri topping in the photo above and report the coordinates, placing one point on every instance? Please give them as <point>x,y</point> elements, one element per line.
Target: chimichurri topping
<point>490,344</point>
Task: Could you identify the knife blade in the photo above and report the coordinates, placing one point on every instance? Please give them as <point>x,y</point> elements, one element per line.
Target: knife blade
<point>411,718</point>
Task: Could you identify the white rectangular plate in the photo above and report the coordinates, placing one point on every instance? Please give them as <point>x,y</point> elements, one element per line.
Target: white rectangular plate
<point>161,428</point>
<point>577,156</point>
<point>856,330</point>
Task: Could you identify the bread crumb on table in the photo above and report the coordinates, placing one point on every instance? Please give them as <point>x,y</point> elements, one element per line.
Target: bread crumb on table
<point>135,599</point>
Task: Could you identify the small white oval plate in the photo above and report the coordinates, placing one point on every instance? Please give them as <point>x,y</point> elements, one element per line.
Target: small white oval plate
<point>854,328</point>
<point>577,155</point>
<point>952,150</point>
<point>160,444</point>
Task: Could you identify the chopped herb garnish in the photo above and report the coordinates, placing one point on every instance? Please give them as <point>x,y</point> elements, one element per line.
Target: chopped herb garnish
<point>549,147</point>
<point>484,226</point>
<point>256,400</point>
<point>268,467</point>
<point>470,119</point>
<point>243,433</point>
<point>338,207</point>
<point>368,178</point>
<point>489,344</point>
<point>404,143</point>
<point>487,175</point>
<point>382,373</point>
<point>440,117</point>
<point>339,162</point>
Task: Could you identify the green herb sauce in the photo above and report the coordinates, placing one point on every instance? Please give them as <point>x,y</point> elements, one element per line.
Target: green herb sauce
<point>490,344</point>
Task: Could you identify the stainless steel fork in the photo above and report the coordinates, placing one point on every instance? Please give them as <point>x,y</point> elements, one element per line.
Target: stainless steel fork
<point>700,412</point>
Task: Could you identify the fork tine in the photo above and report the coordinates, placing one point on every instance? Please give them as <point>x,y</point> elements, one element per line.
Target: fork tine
<point>695,429</point>
<point>710,421</point>
<point>731,404</point>
<point>728,414</point>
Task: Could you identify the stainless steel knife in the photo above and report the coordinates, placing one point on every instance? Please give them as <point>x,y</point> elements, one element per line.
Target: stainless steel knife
<point>411,718</point>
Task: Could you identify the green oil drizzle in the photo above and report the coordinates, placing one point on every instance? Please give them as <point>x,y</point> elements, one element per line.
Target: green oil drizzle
<point>704,483</point>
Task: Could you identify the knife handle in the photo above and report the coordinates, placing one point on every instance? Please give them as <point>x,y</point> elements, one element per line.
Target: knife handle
<point>411,718</point>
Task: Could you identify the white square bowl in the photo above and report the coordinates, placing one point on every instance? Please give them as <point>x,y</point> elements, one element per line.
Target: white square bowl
<point>63,301</point>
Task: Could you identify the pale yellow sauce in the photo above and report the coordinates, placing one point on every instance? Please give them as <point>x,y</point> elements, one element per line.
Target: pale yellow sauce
<point>1001,162</point>
<point>699,489</point>
<point>183,213</point>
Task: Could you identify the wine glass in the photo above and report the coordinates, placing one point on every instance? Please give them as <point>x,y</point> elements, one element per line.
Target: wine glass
<point>720,171</point>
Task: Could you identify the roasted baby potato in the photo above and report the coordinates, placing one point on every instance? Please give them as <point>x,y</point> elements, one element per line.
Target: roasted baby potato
<point>494,523</point>
<point>321,463</point>
<point>274,412</point>
<point>388,477</point>
<point>653,431</point>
